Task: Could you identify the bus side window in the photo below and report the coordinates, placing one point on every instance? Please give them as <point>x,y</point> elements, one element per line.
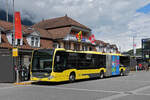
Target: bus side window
<point>101,61</point>
<point>72,60</point>
<point>60,61</point>
<point>58,58</point>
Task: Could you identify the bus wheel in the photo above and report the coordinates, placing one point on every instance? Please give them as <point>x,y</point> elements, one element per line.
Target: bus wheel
<point>101,74</point>
<point>72,77</point>
<point>121,73</point>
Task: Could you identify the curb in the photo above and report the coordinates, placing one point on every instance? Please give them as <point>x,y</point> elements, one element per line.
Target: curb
<point>24,83</point>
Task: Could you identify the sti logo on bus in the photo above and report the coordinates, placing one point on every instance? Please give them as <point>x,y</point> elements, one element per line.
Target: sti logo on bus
<point>115,65</point>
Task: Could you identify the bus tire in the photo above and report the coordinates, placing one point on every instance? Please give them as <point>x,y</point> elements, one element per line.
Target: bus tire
<point>121,72</point>
<point>101,75</point>
<point>72,77</point>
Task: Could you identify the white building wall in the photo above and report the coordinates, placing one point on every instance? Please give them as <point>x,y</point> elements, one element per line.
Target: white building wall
<point>9,37</point>
<point>29,40</point>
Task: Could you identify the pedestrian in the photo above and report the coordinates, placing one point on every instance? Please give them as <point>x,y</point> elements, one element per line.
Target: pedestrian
<point>140,66</point>
<point>136,67</point>
<point>147,68</point>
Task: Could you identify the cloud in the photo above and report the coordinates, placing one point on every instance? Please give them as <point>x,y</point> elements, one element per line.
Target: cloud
<point>113,21</point>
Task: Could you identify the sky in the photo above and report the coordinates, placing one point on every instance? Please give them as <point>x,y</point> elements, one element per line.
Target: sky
<point>113,21</point>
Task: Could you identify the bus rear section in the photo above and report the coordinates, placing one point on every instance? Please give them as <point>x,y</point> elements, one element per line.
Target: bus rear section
<point>117,65</point>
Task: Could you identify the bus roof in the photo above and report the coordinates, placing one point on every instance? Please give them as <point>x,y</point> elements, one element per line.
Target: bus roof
<point>90,52</point>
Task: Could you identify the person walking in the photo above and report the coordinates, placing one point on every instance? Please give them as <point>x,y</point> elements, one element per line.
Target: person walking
<point>140,66</point>
<point>146,66</point>
<point>136,67</point>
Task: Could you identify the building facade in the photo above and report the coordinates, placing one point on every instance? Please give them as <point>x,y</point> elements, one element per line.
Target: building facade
<point>64,30</point>
<point>146,50</point>
<point>52,33</point>
<point>101,46</point>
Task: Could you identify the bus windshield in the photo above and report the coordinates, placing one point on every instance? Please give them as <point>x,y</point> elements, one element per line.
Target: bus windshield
<point>42,61</point>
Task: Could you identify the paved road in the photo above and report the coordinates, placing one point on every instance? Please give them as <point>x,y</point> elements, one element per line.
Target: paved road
<point>136,86</point>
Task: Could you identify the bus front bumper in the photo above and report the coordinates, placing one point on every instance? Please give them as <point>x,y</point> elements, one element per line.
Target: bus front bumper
<point>47,79</point>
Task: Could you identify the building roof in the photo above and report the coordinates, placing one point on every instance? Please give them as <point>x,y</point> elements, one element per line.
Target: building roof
<point>7,26</point>
<point>98,42</point>
<point>59,33</point>
<point>46,44</point>
<point>59,22</point>
<point>43,33</point>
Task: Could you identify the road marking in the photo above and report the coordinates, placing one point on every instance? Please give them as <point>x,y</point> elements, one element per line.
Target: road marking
<point>142,94</point>
<point>133,92</point>
<point>113,96</point>
<point>141,89</point>
<point>122,95</point>
<point>76,89</point>
<point>132,80</point>
<point>8,87</point>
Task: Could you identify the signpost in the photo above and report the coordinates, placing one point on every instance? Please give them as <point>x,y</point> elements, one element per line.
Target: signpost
<point>15,52</point>
<point>17,34</point>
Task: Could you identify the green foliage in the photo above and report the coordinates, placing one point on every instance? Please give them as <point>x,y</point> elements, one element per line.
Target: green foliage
<point>130,52</point>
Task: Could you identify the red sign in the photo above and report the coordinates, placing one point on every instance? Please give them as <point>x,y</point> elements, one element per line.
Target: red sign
<point>18,32</point>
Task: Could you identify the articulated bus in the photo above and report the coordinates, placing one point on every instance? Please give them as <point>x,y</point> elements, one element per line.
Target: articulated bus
<point>57,65</point>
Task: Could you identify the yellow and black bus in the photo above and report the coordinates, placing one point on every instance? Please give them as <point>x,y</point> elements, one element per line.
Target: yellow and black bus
<point>57,65</point>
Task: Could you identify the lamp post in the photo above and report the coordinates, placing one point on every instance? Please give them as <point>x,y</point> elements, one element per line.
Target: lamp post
<point>14,47</point>
<point>134,47</point>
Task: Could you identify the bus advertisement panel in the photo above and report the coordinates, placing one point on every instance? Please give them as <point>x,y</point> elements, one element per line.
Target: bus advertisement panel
<point>115,65</point>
